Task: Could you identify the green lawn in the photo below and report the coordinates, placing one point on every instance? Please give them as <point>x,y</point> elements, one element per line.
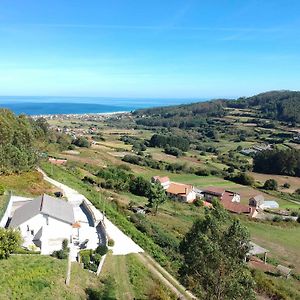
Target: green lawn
<point>42,277</point>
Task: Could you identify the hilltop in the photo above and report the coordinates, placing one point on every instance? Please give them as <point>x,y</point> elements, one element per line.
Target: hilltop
<point>275,105</point>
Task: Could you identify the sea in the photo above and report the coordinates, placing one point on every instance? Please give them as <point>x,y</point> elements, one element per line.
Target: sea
<point>82,105</point>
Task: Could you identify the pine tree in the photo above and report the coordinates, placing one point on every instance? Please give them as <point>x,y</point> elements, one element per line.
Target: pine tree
<point>214,252</point>
<point>157,196</point>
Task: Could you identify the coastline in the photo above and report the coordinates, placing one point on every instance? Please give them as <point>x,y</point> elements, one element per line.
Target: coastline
<point>74,115</point>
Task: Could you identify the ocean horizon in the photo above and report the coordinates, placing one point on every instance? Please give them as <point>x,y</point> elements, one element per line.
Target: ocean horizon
<point>43,105</point>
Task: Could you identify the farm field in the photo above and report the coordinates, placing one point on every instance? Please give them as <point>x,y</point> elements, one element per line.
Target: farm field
<point>282,241</point>
<point>220,155</point>
<point>281,179</point>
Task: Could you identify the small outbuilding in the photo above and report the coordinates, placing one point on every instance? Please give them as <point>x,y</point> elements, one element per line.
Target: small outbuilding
<point>258,250</point>
<point>257,201</point>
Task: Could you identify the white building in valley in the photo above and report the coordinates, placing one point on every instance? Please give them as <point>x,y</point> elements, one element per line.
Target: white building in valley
<point>44,222</point>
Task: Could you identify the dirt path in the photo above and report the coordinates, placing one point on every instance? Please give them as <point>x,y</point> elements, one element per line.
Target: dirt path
<point>166,278</point>
<point>122,279</point>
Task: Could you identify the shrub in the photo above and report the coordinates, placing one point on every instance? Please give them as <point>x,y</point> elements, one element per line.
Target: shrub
<point>173,151</point>
<point>82,142</point>
<point>294,213</point>
<point>85,256</point>
<point>65,244</point>
<point>93,267</point>
<point>277,219</point>
<point>10,240</point>
<point>2,190</point>
<point>60,254</point>
<point>102,249</point>
<point>297,192</point>
<point>111,242</point>
<point>202,172</point>
<point>198,202</point>
<point>96,258</point>
<point>241,178</point>
<point>64,252</point>
<point>271,184</point>
<point>286,185</point>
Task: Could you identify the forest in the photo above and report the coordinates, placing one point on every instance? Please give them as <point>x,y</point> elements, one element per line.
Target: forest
<point>23,140</point>
<point>283,162</point>
<point>275,105</point>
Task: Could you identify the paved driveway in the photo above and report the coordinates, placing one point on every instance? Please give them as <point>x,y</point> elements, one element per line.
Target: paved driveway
<point>123,244</point>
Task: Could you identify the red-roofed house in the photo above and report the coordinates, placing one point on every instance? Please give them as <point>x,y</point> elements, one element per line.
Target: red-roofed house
<point>164,181</point>
<point>181,192</point>
<point>176,191</point>
<point>230,200</point>
<point>217,192</point>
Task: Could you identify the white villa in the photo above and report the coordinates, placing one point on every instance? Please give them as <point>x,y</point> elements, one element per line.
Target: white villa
<point>44,222</point>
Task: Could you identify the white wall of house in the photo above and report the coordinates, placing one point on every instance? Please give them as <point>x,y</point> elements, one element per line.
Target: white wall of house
<point>191,196</point>
<point>236,198</point>
<point>166,184</point>
<point>54,231</point>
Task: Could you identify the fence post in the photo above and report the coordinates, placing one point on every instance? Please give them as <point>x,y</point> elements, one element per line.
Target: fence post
<point>69,264</point>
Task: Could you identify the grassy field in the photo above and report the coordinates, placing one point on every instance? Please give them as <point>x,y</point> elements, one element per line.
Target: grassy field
<point>132,278</point>
<point>281,179</point>
<point>282,240</point>
<point>27,184</point>
<point>175,218</point>
<point>42,277</point>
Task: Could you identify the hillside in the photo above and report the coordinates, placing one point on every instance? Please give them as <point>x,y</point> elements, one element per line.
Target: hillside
<point>276,105</point>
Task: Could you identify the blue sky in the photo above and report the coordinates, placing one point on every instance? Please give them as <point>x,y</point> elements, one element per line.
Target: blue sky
<point>142,48</point>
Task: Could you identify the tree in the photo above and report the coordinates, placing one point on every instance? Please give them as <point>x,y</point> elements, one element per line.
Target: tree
<point>10,240</point>
<point>82,142</point>
<point>140,186</point>
<point>214,252</point>
<point>156,196</point>
<point>271,184</point>
<point>241,178</point>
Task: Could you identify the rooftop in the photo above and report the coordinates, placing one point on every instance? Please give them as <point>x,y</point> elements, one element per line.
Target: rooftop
<point>179,188</point>
<point>56,208</point>
<point>214,190</point>
<point>161,179</point>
